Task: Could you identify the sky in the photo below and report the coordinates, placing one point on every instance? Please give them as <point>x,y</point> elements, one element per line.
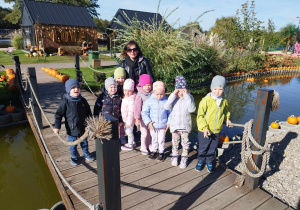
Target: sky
<point>281,12</point>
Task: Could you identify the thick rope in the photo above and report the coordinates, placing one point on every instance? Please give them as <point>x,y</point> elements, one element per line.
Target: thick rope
<point>95,69</point>
<point>88,85</point>
<point>247,154</point>
<point>275,101</point>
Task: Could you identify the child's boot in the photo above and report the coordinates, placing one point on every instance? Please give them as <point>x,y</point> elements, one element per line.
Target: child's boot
<point>199,166</point>
<point>174,161</point>
<point>183,162</point>
<point>160,157</point>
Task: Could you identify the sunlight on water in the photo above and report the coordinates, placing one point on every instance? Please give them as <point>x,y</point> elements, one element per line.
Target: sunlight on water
<point>25,180</point>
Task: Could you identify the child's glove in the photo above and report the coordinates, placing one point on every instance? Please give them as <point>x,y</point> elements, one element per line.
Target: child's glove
<point>228,123</point>
<point>150,126</point>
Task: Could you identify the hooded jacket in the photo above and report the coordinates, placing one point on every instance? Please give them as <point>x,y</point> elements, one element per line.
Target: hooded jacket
<point>74,113</point>
<point>127,109</point>
<point>212,116</point>
<point>108,105</point>
<point>153,111</point>
<point>180,117</point>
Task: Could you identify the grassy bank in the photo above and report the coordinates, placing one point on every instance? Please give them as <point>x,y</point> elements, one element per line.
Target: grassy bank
<point>88,74</point>
<point>5,59</point>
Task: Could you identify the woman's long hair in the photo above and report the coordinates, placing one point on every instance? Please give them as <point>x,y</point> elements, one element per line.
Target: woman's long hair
<point>131,42</point>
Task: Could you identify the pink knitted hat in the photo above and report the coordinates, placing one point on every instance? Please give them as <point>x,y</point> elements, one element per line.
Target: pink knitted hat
<point>158,85</point>
<point>128,84</point>
<point>145,79</point>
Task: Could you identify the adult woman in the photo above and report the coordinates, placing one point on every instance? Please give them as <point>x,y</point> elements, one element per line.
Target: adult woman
<point>135,63</point>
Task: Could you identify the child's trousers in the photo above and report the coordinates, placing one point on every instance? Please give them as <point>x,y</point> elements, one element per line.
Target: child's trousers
<point>129,132</point>
<point>184,142</point>
<point>158,140</point>
<point>145,136</point>
<point>73,148</point>
<point>207,147</point>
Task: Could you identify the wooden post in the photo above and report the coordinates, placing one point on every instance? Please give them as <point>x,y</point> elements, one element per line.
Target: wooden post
<point>259,130</point>
<point>77,69</point>
<point>35,107</point>
<point>108,167</point>
<point>18,72</point>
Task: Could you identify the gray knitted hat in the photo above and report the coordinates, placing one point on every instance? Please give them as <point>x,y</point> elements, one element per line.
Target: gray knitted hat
<point>218,81</point>
<point>110,81</point>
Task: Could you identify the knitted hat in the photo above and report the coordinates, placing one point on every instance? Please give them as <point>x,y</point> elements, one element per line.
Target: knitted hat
<point>119,72</point>
<point>70,83</point>
<point>158,85</point>
<point>128,84</point>
<point>218,81</point>
<point>180,82</point>
<point>145,79</point>
<point>110,81</point>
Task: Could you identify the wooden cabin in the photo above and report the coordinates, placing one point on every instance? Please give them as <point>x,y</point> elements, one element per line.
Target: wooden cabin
<point>53,27</point>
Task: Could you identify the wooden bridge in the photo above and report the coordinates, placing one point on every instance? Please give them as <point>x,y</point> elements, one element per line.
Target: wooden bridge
<point>145,184</point>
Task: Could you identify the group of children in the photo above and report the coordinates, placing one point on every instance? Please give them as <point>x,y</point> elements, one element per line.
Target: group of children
<point>146,106</point>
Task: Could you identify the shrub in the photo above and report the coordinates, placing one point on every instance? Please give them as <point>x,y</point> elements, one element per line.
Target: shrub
<point>99,77</point>
<point>17,42</point>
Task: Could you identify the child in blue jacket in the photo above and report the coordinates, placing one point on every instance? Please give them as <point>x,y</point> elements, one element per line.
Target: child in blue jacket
<point>156,118</point>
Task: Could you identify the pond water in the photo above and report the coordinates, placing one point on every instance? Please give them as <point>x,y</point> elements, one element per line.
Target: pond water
<point>25,180</point>
<point>241,97</point>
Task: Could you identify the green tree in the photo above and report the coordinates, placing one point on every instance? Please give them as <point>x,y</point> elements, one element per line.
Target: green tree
<point>4,24</point>
<point>270,37</point>
<point>224,27</point>
<point>14,17</point>
<point>101,24</point>
<point>288,33</point>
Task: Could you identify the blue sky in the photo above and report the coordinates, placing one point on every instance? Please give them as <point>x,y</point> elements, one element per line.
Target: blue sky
<point>282,12</point>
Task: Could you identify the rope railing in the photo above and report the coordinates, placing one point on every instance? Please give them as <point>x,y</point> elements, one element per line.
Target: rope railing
<point>95,69</point>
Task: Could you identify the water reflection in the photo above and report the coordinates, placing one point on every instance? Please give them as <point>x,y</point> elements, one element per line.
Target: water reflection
<point>25,180</point>
<point>241,98</point>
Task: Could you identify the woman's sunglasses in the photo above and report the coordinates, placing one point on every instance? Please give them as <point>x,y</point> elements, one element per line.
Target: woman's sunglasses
<point>134,50</point>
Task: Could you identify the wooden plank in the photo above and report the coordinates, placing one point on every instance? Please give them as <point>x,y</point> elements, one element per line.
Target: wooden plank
<point>271,204</point>
<point>250,201</point>
<point>167,187</point>
<point>221,200</point>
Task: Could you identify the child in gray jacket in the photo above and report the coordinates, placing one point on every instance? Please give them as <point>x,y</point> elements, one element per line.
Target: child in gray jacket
<point>181,103</point>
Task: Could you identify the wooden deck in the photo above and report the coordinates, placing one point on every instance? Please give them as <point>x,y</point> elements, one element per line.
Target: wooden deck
<point>145,184</point>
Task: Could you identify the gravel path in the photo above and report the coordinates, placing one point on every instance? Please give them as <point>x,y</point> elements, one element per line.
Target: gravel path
<point>282,178</point>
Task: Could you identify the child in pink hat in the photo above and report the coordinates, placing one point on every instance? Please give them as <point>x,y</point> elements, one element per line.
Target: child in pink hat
<point>144,89</point>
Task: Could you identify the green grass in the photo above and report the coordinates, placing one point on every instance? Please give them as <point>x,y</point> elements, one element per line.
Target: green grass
<point>5,59</point>
<point>297,62</point>
<point>88,74</point>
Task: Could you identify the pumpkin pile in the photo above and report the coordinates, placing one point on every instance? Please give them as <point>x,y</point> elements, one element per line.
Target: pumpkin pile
<point>56,74</point>
<point>10,78</point>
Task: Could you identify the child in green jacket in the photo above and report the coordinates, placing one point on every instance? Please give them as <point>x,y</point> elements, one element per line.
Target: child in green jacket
<point>213,110</point>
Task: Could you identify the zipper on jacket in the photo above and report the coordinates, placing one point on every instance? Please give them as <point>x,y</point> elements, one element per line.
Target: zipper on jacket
<point>216,118</point>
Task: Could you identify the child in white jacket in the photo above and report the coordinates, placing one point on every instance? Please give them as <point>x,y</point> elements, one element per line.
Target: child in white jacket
<point>127,112</point>
<point>181,103</point>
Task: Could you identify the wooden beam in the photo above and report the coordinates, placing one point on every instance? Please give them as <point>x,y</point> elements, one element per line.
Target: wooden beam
<point>259,130</point>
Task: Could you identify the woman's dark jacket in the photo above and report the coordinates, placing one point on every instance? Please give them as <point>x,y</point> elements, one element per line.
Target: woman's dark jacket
<point>74,113</point>
<point>108,105</point>
<point>144,67</point>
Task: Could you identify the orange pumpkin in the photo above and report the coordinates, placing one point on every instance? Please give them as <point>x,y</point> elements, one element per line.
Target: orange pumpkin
<point>298,118</point>
<point>265,80</point>
<point>11,81</point>
<point>292,120</point>
<point>10,108</point>
<point>1,80</point>
<point>9,71</point>
<point>3,77</point>
<point>64,78</point>
<point>275,124</point>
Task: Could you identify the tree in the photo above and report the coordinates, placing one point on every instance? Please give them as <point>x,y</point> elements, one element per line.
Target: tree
<point>224,27</point>
<point>4,24</point>
<point>288,32</point>
<point>101,24</point>
<point>270,37</point>
<point>15,16</point>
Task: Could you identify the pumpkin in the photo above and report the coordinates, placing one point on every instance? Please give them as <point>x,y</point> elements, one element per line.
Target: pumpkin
<point>298,118</point>
<point>1,80</point>
<point>9,71</point>
<point>64,78</point>
<point>275,125</point>
<point>265,80</point>
<point>11,81</point>
<point>10,108</point>
<point>3,77</point>
<point>221,138</point>
<point>226,139</point>
<point>292,120</point>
